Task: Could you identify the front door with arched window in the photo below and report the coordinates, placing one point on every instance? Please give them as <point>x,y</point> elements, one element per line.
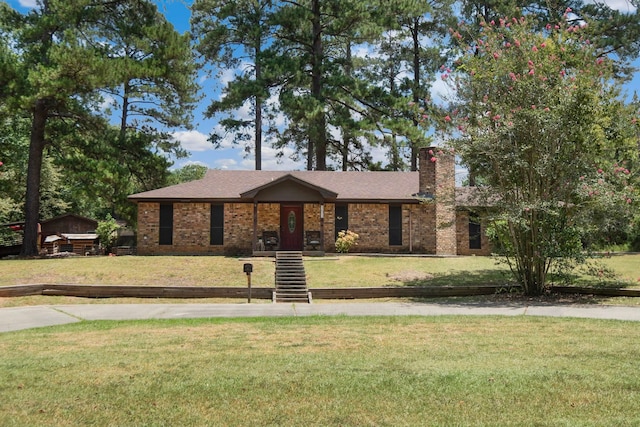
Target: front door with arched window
<point>291,228</point>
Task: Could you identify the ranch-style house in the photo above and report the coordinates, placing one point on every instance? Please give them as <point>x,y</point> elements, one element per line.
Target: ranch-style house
<point>245,212</point>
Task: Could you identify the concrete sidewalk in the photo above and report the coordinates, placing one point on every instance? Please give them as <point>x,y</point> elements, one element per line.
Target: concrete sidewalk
<point>17,318</point>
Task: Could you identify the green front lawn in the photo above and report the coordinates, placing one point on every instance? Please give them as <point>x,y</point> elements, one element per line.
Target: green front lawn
<point>324,371</point>
<point>322,272</point>
<point>329,271</point>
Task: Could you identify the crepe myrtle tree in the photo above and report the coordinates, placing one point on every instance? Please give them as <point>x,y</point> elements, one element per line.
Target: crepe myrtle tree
<point>539,118</point>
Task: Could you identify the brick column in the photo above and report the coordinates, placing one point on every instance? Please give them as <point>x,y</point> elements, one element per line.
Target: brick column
<point>437,181</point>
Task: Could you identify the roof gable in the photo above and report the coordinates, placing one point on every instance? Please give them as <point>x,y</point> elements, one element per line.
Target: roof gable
<point>70,217</point>
<point>289,188</point>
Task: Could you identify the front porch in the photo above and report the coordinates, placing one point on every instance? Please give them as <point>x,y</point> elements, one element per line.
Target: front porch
<point>289,215</point>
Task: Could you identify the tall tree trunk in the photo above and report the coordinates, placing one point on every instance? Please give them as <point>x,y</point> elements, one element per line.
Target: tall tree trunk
<point>346,130</point>
<point>258,108</point>
<point>125,110</point>
<point>32,203</point>
<point>416,85</point>
<point>258,132</point>
<point>394,157</point>
<point>317,133</point>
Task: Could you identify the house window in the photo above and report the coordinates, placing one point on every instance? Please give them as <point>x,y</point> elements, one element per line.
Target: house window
<point>475,232</point>
<point>395,225</point>
<point>166,224</point>
<point>217,224</point>
<point>342,218</point>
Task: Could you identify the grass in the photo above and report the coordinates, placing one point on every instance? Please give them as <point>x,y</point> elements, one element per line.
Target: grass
<point>330,271</point>
<point>323,371</point>
<point>136,270</point>
<point>325,272</point>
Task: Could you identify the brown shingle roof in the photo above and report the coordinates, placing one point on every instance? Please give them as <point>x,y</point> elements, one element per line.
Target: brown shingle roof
<point>228,185</point>
<point>469,197</point>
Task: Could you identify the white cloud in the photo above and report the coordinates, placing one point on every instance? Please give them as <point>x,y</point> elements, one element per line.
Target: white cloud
<point>273,103</point>
<point>441,92</point>
<point>226,163</point>
<point>107,103</point>
<point>226,76</point>
<point>28,3</point>
<point>244,112</point>
<point>363,51</point>
<point>271,162</point>
<point>194,162</point>
<point>621,5</point>
<point>193,140</point>
<point>227,138</point>
<point>379,154</point>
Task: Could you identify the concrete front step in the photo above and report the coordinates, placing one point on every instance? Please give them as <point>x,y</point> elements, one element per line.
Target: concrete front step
<point>279,297</point>
<point>290,278</point>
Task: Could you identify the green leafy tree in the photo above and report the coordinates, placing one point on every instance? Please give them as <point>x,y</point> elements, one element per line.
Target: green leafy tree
<point>221,29</point>
<point>153,71</point>
<point>401,76</point>
<point>187,173</point>
<point>14,148</point>
<point>101,169</point>
<point>422,21</point>
<point>14,144</point>
<point>53,75</point>
<point>107,231</point>
<point>313,39</point>
<point>62,57</point>
<point>540,118</point>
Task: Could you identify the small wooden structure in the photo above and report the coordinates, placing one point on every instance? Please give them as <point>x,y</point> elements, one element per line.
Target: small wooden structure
<point>79,244</point>
<point>68,223</point>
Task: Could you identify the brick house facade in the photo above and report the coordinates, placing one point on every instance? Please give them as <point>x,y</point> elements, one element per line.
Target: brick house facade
<point>231,212</point>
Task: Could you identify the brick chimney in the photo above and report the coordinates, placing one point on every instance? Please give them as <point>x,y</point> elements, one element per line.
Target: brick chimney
<point>437,181</point>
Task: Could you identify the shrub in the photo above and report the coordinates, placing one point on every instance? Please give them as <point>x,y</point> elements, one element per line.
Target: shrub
<point>107,232</point>
<point>346,240</point>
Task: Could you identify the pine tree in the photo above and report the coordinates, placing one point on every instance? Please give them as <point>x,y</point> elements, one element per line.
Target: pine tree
<point>222,29</point>
<point>62,59</point>
<point>312,40</point>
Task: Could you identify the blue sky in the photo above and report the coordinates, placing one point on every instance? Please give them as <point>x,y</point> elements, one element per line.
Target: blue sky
<point>230,156</point>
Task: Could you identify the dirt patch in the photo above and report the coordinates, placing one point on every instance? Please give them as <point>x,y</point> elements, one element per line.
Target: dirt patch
<point>410,276</point>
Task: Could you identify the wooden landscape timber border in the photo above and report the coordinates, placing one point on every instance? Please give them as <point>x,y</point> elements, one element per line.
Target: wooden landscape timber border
<point>610,292</point>
<point>113,291</point>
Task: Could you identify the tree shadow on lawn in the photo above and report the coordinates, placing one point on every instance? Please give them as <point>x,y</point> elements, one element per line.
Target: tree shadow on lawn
<point>515,299</point>
<point>592,278</point>
<point>509,292</point>
<point>487,277</point>
<point>496,277</point>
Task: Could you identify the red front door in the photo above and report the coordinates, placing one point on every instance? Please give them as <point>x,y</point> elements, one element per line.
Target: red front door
<point>291,228</point>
